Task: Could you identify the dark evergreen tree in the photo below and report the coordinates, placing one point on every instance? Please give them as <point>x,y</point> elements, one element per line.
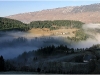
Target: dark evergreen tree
<point>2,63</point>
<point>38,69</point>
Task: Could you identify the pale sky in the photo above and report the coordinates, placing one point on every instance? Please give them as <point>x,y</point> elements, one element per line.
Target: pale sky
<point>8,7</point>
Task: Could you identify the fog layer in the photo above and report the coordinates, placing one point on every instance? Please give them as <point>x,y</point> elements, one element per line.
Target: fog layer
<point>13,43</point>
<point>93,30</point>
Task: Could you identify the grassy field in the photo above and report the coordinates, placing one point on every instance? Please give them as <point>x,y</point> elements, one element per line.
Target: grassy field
<point>47,32</point>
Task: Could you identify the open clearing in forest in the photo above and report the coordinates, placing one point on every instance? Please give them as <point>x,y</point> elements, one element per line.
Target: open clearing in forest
<point>58,32</point>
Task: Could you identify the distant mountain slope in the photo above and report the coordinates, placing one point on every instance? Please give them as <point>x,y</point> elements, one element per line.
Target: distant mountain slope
<point>84,13</point>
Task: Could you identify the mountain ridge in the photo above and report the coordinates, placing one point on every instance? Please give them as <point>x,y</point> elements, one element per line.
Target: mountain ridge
<point>84,13</point>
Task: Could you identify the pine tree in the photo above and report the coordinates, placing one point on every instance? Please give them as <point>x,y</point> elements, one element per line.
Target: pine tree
<point>1,63</point>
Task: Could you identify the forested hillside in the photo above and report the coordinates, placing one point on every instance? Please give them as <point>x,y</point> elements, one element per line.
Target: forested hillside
<point>11,24</point>
<point>51,59</point>
<point>6,23</point>
<point>56,24</point>
<point>52,55</point>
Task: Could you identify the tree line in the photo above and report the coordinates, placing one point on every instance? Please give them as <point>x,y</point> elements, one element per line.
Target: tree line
<point>79,35</point>
<point>51,51</point>
<point>56,24</point>
<point>11,24</point>
<point>16,65</point>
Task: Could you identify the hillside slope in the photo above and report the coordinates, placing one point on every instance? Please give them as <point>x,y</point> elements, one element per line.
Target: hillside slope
<point>84,13</point>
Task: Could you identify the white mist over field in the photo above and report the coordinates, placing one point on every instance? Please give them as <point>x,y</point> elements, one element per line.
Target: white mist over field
<point>13,43</point>
<point>91,26</point>
<point>93,30</point>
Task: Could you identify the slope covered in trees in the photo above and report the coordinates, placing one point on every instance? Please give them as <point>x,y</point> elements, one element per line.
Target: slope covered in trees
<point>6,23</point>
<point>53,59</point>
<point>10,24</point>
<point>56,24</point>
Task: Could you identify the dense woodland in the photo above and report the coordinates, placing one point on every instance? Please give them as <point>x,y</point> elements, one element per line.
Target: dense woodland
<point>57,50</point>
<point>42,54</point>
<point>6,23</point>
<point>10,24</point>
<point>56,24</point>
<point>43,60</point>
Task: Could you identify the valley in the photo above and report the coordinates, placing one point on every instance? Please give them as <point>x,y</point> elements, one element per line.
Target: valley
<point>63,40</point>
<point>48,47</point>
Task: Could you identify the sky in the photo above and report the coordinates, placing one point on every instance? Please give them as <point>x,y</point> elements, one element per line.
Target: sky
<point>12,7</point>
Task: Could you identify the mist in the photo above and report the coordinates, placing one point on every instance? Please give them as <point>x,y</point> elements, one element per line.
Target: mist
<point>13,43</point>
<point>93,30</point>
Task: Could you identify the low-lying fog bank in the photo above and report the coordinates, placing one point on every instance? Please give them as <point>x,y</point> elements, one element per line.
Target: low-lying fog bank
<point>13,43</point>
